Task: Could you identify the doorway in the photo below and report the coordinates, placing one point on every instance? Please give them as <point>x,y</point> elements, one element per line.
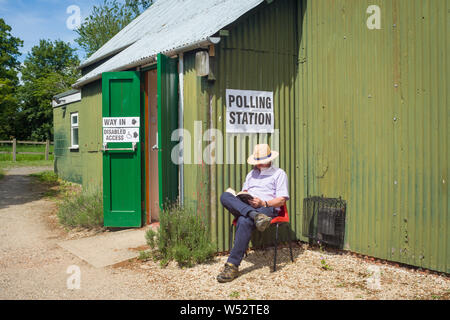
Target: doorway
<point>151,126</point>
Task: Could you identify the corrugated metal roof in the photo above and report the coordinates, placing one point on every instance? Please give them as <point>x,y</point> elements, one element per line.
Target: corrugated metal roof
<point>166,26</point>
<point>65,94</point>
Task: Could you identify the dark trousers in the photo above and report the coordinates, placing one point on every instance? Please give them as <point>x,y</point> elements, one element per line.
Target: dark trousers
<point>245,225</point>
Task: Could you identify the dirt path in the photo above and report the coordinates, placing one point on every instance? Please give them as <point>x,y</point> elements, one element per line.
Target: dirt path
<point>33,266</point>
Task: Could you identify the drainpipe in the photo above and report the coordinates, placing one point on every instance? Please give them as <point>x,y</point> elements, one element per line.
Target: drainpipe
<point>181,123</point>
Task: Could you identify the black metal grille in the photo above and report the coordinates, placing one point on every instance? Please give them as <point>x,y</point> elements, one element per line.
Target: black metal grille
<point>324,220</point>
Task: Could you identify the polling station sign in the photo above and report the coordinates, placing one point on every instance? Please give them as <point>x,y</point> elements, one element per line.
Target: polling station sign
<point>249,111</point>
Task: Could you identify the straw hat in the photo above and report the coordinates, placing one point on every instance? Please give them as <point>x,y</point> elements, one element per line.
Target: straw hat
<point>262,155</point>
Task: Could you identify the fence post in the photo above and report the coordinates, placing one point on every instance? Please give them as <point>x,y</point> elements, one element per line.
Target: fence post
<point>14,149</point>
<point>47,148</point>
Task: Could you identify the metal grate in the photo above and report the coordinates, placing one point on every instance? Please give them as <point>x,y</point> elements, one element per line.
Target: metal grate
<point>324,220</point>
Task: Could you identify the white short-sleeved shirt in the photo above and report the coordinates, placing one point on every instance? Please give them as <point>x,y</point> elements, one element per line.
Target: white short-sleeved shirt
<point>268,184</point>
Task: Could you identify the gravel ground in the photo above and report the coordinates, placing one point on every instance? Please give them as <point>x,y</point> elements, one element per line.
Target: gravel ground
<point>349,278</point>
<point>32,266</point>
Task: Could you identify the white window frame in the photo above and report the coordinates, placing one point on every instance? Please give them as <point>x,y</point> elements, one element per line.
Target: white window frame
<point>73,126</point>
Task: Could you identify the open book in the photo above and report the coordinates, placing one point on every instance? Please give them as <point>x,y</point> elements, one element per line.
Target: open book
<point>242,195</point>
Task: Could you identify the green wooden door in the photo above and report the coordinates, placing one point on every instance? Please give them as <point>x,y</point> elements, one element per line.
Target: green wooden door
<point>167,123</point>
<point>121,160</point>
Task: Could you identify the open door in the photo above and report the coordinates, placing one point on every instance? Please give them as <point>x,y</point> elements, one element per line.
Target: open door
<point>167,123</point>
<point>152,153</point>
<point>122,149</point>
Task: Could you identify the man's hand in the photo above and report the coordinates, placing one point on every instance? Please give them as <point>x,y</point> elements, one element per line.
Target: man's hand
<point>256,202</point>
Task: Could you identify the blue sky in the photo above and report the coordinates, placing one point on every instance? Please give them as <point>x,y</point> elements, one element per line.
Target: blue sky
<point>32,20</point>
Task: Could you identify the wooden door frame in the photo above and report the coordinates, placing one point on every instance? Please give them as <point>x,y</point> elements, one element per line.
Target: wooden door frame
<point>145,81</point>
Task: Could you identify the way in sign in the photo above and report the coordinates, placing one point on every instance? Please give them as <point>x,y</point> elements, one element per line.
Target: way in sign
<point>121,122</point>
<point>107,122</point>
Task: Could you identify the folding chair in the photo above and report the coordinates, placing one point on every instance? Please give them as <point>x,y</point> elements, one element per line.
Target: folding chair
<point>282,219</point>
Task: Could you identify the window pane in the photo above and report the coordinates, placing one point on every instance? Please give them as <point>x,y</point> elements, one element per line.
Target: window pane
<point>75,119</point>
<point>74,136</point>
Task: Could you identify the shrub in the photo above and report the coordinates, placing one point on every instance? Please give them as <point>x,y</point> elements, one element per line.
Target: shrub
<point>182,236</point>
<point>84,209</point>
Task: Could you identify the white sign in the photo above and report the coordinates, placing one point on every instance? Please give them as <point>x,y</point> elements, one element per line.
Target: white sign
<point>120,135</point>
<point>121,122</point>
<point>249,111</point>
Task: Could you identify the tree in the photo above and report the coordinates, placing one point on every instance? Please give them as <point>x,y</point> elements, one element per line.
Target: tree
<point>50,68</point>
<point>106,20</point>
<point>9,65</point>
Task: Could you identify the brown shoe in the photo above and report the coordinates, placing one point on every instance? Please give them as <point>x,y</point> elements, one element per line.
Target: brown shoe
<point>262,222</point>
<point>229,273</point>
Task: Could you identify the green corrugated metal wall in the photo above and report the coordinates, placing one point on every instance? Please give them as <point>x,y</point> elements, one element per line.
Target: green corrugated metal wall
<point>85,165</point>
<point>67,164</point>
<point>375,109</point>
<point>260,54</point>
<point>196,173</point>
<point>363,114</point>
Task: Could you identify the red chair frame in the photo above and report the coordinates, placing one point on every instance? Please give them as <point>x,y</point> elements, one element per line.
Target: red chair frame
<point>281,219</point>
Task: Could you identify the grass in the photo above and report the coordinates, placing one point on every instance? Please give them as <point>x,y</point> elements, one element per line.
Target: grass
<point>24,148</point>
<point>48,177</point>
<point>2,173</point>
<point>5,165</point>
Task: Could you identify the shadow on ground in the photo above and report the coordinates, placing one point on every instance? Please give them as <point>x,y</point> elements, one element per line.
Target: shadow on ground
<point>18,188</point>
<point>261,258</point>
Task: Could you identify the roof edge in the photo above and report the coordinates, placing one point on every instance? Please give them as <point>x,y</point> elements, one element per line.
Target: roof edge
<point>87,63</point>
<point>150,59</point>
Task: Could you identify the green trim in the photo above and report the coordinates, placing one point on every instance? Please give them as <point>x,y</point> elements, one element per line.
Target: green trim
<point>167,122</point>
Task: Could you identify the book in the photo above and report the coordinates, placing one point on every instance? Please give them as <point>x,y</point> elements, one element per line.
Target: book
<point>242,195</point>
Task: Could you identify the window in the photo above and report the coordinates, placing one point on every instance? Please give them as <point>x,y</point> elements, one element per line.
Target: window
<point>74,130</point>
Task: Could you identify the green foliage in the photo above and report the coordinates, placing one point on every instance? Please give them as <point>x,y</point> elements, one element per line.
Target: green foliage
<point>9,67</point>
<point>9,53</point>
<point>106,20</point>
<point>323,261</point>
<point>84,209</point>
<point>144,255</point>
<point>325,265</point>
<point>46,177</point>
<point>50,68</point>
<point>183,237</point>
<point>2,174</point>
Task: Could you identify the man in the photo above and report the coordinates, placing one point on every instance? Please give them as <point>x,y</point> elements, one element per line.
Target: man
<point>269,187</point>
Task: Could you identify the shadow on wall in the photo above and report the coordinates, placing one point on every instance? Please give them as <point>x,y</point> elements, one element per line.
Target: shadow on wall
<point>65,159</point>
<point>260,54</point>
